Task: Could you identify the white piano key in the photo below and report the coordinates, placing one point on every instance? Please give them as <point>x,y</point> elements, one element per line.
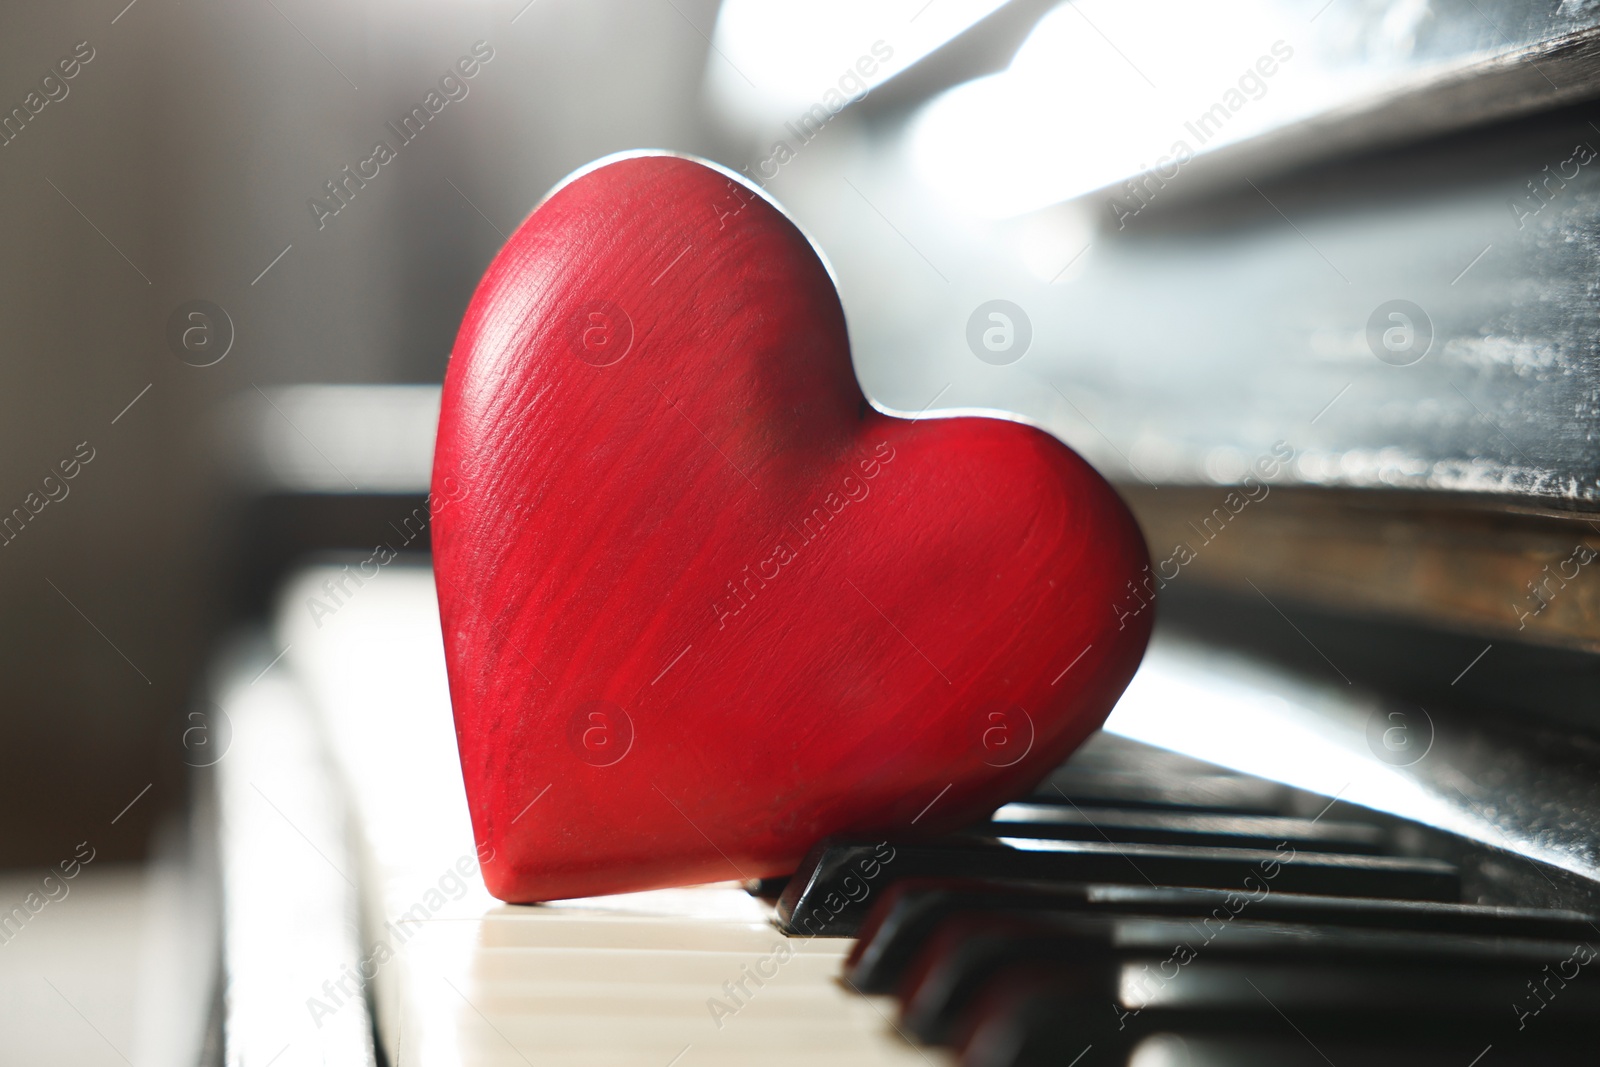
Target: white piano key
<point>289,886</point>
<point>466,981</point>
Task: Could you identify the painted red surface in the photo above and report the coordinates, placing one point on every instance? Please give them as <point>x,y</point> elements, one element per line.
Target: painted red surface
<point>702,605</point>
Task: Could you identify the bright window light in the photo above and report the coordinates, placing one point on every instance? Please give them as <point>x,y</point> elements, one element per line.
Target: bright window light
<point>773,59</point>
<point>1101,91</point>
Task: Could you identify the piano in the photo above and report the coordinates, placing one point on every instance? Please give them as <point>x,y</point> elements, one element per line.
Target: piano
<point>1346,812</point>
<point>1159,899</point>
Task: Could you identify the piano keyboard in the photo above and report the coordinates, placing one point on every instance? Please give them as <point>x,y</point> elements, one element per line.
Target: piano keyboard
<point>1143,907</point>
<point>1188,927</point>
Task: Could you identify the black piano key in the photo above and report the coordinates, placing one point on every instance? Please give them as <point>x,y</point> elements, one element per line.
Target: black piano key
<point>968,955</point>
<point>1176,1049</point>
<point>1068,822</point>
<point>831,892</point>
<point>1143,973</point>
<point>1113,752</point>
<point>1235,793</point>
<point>1029,1021</point>
<point>899,924</point>
<point>1112,771</point>
<point>905,916</point>
<point>768,889</point>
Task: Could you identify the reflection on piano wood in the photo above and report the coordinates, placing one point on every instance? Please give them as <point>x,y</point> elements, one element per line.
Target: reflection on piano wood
<point>1142,907</point>
<point>1520,574</point>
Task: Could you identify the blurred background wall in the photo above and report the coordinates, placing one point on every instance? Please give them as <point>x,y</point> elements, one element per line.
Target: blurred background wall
<point>105,588</point>
<point>179,167</point>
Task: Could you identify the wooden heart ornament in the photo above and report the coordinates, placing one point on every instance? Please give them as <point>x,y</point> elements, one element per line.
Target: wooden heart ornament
<point>702,604</point>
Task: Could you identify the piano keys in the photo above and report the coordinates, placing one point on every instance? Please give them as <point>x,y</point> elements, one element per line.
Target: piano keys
<point>1143,907</point>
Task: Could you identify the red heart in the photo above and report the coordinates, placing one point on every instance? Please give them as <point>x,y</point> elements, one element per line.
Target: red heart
<point>702,605</point>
